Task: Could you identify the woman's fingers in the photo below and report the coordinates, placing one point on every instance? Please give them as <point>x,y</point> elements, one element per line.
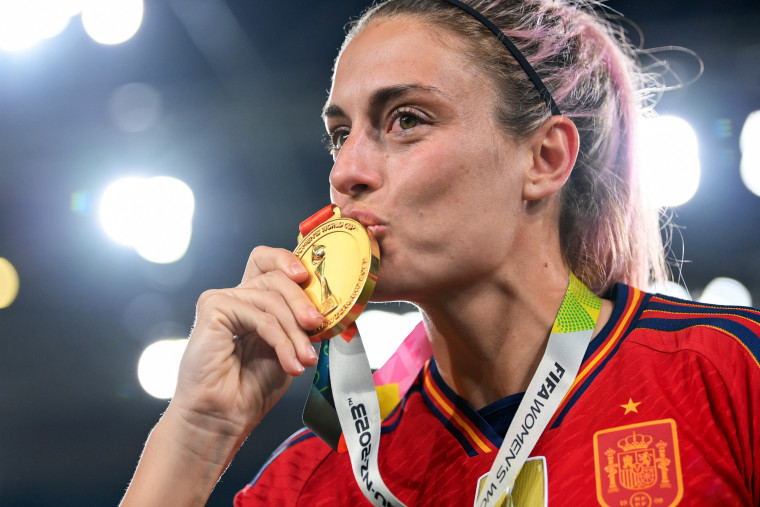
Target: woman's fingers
<point>258,313</point>
<point>304,311</point>
<point>264,259</point>
<point>275,324</point>
<point>278,270</point>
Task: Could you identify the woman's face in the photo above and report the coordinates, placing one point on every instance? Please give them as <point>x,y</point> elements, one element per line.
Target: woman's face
<point>421,161</point>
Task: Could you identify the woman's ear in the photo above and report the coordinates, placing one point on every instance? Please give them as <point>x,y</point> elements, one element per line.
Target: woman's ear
<point>554,147</point>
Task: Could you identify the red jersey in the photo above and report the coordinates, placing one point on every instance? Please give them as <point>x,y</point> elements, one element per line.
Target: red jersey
<point>665,410</point>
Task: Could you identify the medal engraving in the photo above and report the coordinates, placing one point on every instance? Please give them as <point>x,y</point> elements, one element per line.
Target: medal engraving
<point>342,259</point>
<point>328,301</point>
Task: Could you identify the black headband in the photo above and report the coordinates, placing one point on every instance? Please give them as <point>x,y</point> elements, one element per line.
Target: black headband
<point>540,86</point>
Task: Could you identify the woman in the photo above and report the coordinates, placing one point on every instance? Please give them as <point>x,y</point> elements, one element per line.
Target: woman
<point>485,186</point>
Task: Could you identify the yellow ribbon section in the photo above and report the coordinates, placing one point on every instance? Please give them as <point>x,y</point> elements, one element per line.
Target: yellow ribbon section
<point>579,310</point>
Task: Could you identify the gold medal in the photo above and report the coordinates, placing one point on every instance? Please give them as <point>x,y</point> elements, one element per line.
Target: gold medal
<point>342,259</point>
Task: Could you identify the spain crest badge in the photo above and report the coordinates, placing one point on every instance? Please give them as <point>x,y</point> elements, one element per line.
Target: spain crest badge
<point>638,465</point>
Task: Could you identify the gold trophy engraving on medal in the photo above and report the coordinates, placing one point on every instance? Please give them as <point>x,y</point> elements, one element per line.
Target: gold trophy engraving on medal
<point>340,288</point>
<point>328,301</point>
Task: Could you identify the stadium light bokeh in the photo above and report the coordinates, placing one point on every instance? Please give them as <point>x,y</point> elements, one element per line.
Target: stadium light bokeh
<point>112,21</point>
<point>9,283</point>
<point>26,23</point>
<point>670,164</point>
<point>726,291</point>
<point>135,107</point>
<point>158,367</point>
<point>749,143</point>
<point>152,215</point>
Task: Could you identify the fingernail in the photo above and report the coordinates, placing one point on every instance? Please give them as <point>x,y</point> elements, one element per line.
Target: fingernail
<point>297,268</point>
<point>311,352</point>
<point>299,367</point>
<point>314,314</point>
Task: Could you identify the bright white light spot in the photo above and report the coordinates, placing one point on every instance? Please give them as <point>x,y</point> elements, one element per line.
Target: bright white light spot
<point>670,288</point>
<point>135,107</point>
<point>24,23</point>
<point>750,170</point>
<point>120,210</point>
<point>158,367</point>
<point>152,215</point>
<point>749,142</point>
<point>669,160</point>
<point>382,332</point>
<point>112,21</point>
<point>8,283</point>
<point>164,243</point>
<point>169,206</point>
<point>726,291</point>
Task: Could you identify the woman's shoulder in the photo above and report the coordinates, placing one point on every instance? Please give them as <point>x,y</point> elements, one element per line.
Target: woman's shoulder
<point>724,335</point>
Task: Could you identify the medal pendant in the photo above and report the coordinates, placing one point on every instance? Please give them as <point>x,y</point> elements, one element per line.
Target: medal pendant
<point>342,259</point>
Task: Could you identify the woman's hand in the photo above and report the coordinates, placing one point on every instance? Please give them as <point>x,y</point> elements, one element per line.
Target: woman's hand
<point>247,344</point>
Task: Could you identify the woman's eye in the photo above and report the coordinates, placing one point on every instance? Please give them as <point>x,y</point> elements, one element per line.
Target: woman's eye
<point>407,121</point>
<point>338,139</point>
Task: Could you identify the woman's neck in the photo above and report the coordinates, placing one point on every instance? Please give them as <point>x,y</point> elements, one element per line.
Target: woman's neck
<point>489,339</point>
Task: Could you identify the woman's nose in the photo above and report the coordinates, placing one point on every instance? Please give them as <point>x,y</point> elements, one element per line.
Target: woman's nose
<point>354,172</point>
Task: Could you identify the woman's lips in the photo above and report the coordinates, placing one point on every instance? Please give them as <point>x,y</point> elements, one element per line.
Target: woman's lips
<point>369,220</point>
<point>377,230</point>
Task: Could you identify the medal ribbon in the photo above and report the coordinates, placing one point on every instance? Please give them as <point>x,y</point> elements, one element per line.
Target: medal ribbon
<point>353,390</point>
<point>345,388</point>
<point>343,392</point>
<point>571,333</point>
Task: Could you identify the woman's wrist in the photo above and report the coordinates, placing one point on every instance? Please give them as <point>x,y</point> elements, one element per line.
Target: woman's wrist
<point>209,439</point>
<point>184,457</point>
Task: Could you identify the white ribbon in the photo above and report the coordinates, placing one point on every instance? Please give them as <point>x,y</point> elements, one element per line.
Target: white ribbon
<point>359,412</point>
<point>548,387</point>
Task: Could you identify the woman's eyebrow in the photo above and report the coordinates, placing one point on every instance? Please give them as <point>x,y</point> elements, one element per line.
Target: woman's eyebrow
<point>379,98</point>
